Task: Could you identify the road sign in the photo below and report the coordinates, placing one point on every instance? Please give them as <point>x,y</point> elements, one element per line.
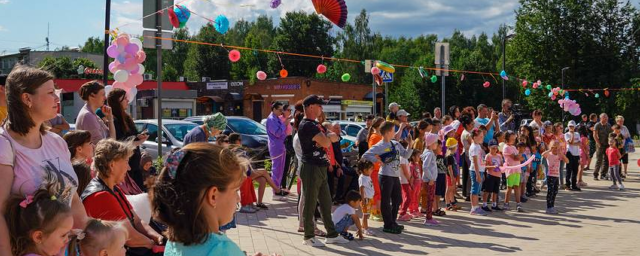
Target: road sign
<point>150,42</point>
<point>386,76</point>
<point>442,57</point>
<point>148,8</point>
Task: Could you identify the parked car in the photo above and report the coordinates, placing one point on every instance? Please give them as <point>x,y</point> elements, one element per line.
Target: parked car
<point>351,128</point>
<point>254,134</point>
<point>173,132</point>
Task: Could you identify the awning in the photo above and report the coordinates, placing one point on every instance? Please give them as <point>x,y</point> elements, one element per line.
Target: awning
<point>252,96</point>
<point>203,99</point>
<point>233,96</point>
<point>369,96</point>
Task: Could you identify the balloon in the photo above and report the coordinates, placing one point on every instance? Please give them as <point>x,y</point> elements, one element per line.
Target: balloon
<point>122,40</point>
<point>606,93</point>
<point>136,79</point>
<point>261,75</point>
<point>275,3</point>
<point>375,70</point>
<point>121,76</point>
<point>378,79</point>
<point>548,87</point>
<point>107,89</point>
<point>503,73</point>
<point>221,24</point>
<point>553,97</point>
<point>117,84</point>
<point>135,70</point>
<point>112,51</point>
<point>130,64</point>
<point>638,162</point>
<point>434,78</point>
<point>131,94</point>
<point>385,66</point>
<point>535,85</point>
<point>284,73</point>
<point>597,95</point>
<point>140,69</point>
<point>234,55</point>
<point>486,84</point>
<point>566,94</point>
<point>524,83</point>
<point>112,66</point>
<point>346,77</point>
<point>555,93</point>
<point>321,69</point>
<point>527,92</point>
<point>137,42</point>
<point>121,58</point>
<point>141,56</point>
<point>131,48</point>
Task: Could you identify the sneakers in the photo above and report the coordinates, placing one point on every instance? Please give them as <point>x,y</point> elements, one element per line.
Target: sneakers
<point>439,212</point>
<point>405,217</point>
<point>347,235</point>
<point>595,178</point>
<point>621,187</point>
<point>392,230</point>
<point>247,209</point>
<point>576,189</point>
<point>614,187</point>
<point>314,242</point>
<point>523,199</point>
<point>519,208</point>
<point>506,207</point>
<point>583,184</point>
<point>282,193</point>
<point>478,211</point>
<point>431,222</point>
<point>496,208</point>
<point>486,209</point>
<point>369,232</point>
<point>551,210</point>
<point>336,240</point>
<point>262,206</point>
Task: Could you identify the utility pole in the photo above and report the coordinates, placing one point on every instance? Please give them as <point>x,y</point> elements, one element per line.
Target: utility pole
<point>563,69</point>
<point>442,73</point>
<point>159,71</point>
<point>47,36</point>
<point>504,63</point>
<point>105,62</point>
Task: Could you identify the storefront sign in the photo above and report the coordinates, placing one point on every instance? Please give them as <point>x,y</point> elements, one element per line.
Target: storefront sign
<point>237,83</point>
<point>357,102</point>
<point>287,87</point>
<point>333,102</point>
<point>218,85</point>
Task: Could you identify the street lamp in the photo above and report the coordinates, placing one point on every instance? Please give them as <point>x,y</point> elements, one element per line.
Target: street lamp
<point>563,69</point>
<point>504,60</point>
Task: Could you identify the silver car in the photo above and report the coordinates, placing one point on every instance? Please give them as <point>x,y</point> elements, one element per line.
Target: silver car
<point>173,132</point>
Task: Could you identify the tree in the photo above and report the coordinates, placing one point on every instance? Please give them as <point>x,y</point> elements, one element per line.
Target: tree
<point>93,45</point>
<point>205,60</point>
<point>61,67</point>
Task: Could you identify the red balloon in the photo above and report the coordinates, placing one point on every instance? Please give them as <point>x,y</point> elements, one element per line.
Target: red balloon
<point>321,69</point>
<point>606,93</point>
<point>638,162</point>
<point>486,84</point>
<point>234,55</point>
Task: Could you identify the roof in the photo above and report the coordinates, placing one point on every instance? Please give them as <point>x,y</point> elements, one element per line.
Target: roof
<point>73,85</point>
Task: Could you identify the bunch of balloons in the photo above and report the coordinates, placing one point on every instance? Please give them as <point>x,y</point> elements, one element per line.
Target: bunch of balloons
<point>127,67</point>
<point>570,106</point>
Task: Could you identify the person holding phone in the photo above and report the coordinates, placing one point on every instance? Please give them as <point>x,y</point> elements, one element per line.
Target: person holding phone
<point>94,116</point>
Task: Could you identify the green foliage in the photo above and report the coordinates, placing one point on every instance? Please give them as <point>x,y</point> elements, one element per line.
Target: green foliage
<point>93,45</point>
<point>61,67</point>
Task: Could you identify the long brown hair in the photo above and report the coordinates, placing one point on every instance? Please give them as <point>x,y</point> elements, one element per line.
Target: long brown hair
<point>23,79</point>
<point>178,194</point>
<point>76,139</point>
<point>374,126</point>
<point>116,95</point>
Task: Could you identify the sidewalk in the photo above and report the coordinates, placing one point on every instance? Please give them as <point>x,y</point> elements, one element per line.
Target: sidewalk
<point>596,221</point>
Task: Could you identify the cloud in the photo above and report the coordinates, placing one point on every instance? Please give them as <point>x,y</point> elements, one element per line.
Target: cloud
<point>4,1</point>
<point>3,29</point>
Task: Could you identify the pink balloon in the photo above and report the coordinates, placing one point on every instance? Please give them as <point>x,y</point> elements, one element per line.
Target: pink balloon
<point>141,56</point>
<point>486,84</point>
<point>135,79</point>
<point>321,69</point>
<point>375,70</point>
<point>524,83</point>
<point>130,64</point>
<point>135,70</point>
<point>112,67</point>
<point>261,75</point>
<point>112,51</point>
<point>234,55</point>
<point>122,40</point>
<point>119,85</point>
<point>553,97</point>
<point>535,85</point>
<point>131,48</point>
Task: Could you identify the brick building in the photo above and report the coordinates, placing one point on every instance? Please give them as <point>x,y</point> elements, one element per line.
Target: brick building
<point>344,100</point>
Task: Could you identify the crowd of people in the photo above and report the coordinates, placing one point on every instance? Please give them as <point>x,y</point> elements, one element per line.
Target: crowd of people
<point>72,194</point>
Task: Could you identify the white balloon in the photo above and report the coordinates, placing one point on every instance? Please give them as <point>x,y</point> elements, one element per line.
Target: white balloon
<point>121,76</point>
<point>141,69</point>
<point>107,89</point>
<point>132,94</point>
<point>137,42</point>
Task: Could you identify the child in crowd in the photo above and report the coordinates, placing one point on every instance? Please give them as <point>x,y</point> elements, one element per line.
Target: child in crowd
<point>584,153</point>
<point>499,137</point>
<point>613,154</point>
<point>406,180</point>
<point>617,135</point>
<point>526,170</point>
<point>491,186</point>
<point>553,156</point>
<point>452,174</point>
<point>209,172</point>
<point>83,171</point>
<point>476,171</point>
<point>416,172</point>
<point>512,157</point>
<point>536,166</point>
<point>38,224</point>
<point>365,184</point>
<point>389,152</point>
<point>441,181</point>
<point>100,238</point>
<point>429,174</point>
<point>149,172</point>
<point>80,146</point>
<point>345,215</point>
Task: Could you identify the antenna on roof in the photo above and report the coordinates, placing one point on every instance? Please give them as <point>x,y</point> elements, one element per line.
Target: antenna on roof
<point>47,39</point>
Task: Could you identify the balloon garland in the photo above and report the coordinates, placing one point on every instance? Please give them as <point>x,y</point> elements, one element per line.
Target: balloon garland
<point>127,67</point>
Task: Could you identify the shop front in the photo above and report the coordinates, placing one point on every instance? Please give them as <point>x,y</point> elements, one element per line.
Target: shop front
<point>354,110</point>
<point>221,96</point>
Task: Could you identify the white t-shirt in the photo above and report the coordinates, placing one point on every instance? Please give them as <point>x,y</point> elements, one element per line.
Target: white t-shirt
<point>367,183</point>
<point>403,179</point>
<point>341,211</point>
<point>465,137</point>
<point>476,150</point>
<point>298,149</point>
<point>573,148</point>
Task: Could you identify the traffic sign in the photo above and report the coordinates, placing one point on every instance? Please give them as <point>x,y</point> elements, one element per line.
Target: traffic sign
<point>386,76</point>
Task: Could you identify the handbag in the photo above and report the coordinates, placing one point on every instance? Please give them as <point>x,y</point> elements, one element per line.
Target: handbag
<point>628,146</point>
<point>390,156</point>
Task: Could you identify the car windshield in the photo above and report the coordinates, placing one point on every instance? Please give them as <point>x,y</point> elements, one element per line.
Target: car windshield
<point>179,130</point>
<point>246,126</point>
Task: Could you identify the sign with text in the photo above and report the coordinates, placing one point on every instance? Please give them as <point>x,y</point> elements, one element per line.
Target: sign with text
<point>287,87</point>
<point>237,83</point>
<point>217,85</point>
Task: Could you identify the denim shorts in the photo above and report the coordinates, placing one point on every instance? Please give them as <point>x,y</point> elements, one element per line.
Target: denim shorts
<point>344,223</point>
<point>475,185</point>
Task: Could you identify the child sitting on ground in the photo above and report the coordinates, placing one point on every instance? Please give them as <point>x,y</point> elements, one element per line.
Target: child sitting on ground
<point>365,184</point>
<point>345,215</point>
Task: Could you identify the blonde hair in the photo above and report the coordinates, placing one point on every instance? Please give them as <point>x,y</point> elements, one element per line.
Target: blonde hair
<point>110,150</point>
<point>97,236</point>
<point>619,117</point>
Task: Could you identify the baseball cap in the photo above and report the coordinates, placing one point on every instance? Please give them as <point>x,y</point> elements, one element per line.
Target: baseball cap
<point>311,100</point>
<point>493,143</point>
<point>452,143</point>
<point>572,123</point>
<point>402,112</point>
<point>393,104</point>
<point>430,138</point>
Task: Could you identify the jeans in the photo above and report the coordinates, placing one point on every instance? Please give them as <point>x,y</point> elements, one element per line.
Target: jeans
<point>552,191</point>
<point>563,166</point>
<point>476,186</point>
<point>391,199</point>
<point>344,223</point>
<point>614,173</point>
<point>602,162</point>
<point>316,191</point>
<point>572,170</point>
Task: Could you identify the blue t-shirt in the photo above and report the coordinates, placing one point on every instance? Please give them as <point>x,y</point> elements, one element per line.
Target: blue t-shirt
<point>485,121</point>
<point>195,135</point>
<point>216,244</point>
<point>536,161</point>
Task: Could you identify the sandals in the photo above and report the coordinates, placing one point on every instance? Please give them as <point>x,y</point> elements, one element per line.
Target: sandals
<point>439,212</point>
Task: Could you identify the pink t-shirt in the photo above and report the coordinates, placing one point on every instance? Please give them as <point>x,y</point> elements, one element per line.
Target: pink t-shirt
<point>510,151</point>
<point>494,161</point>
<point>33,166</point>
<point>553,161</point>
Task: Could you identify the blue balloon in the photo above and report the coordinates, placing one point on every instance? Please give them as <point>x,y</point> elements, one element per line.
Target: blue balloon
<point>503,73</point>
<point>566,97</point>
<point>566,94</point>
<point>222,24</point>
<point>527,92</point>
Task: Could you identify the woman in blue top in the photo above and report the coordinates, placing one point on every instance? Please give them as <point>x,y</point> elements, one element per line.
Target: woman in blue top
<point>197,192</point>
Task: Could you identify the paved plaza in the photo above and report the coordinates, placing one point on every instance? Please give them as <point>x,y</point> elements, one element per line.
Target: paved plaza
<point>596,221</point>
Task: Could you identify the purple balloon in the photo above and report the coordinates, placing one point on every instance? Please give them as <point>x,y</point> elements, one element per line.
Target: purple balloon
<point>112,67</point>
<point>112,51</point>
<point>135,70</point>
<point>131,49</point>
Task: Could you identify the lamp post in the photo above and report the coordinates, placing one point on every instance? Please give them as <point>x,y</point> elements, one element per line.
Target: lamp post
<point>504,61</point>
<point>563,69</point>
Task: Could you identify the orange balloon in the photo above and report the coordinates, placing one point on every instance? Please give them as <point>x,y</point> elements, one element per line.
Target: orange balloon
<point>284,73</point>
<point>606,93</point>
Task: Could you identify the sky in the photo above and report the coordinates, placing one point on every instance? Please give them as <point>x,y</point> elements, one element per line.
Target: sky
<point>23,23</point>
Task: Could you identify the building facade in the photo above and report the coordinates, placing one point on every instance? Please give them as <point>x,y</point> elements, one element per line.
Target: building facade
<point>32,58</point>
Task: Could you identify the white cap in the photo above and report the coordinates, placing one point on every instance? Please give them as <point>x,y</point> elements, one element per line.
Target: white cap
<point>402,112</point>
<point>393,104</point>
<point>572,123</point>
